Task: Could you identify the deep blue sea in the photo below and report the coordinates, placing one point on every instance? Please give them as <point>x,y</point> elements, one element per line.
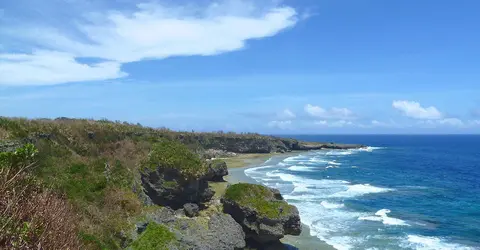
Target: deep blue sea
<point>402,192</point>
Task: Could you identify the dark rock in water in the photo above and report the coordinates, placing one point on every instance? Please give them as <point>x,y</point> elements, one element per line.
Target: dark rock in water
<point>217,169</point>
<point>191,209</point>
<point>265,218</point>
<point>169,187</point>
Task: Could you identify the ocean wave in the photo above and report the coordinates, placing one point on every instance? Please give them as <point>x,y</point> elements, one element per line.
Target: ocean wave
<point>382,216</point>
<point>334,163</point>
<point>359,190</point>
<point>300,168</point>
<point>331,205</point>
<point>339,152</point>
<point>367,149</point>
<point>294,158</point>
<point>331,167</point>
<point>431,243</point>
<point>255,169</point>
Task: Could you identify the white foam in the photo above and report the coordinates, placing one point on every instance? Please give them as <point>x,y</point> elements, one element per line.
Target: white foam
<point>368,149</point>
<point>334,163</point>
<point>293,158</point>
<point>300,168</point>
<point>381,216</point>
<point>331,167</point>
<point>339,152</point>
<point>359,190</point>
<point>255,169</point>
<point>431,243</point>
<point>331,205</point>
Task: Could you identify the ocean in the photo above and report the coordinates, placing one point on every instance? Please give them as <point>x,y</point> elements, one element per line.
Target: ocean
<point>402,192</point>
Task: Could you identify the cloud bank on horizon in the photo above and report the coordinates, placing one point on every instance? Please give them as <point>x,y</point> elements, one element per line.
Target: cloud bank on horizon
<point>268,66</point>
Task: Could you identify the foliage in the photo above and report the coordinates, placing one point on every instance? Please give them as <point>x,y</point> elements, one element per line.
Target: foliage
<point>174,155</point>
<point>93,168</point>
<point>259,198</point>
<point>32,217</point>
<point>155,237</point>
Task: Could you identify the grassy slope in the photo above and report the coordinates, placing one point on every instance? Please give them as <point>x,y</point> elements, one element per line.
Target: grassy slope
<point>96,165</point>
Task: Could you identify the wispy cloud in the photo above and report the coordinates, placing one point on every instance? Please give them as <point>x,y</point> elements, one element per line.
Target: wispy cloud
<point>150,31</point>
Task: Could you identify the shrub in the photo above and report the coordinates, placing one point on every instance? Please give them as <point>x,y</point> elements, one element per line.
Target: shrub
<point>259,198</point>
<point>174,155</point>
<point>155,237</point>
<point>30,216</point>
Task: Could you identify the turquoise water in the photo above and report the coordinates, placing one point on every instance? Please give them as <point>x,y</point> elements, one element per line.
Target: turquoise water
<point>402,192</point>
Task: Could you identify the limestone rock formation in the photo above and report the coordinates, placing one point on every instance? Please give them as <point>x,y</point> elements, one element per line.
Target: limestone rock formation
<point>217,169</point>
<point>264,218</point>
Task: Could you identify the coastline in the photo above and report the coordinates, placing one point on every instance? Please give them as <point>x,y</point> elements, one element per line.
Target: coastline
<point>237,174</point>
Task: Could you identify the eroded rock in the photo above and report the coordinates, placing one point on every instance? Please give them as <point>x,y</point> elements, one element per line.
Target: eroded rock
<point>265,219</point>
<point>217,169</point>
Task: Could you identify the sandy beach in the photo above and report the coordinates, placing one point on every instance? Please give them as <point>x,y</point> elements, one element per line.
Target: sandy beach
<point>236,168</point>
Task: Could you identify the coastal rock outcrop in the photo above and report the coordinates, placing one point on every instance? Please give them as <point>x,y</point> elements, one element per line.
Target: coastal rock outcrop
<point>217,169</point>
<point>219,231</point>
<point>167,187</point>
<point>264,218</point>
<point>173,176</point>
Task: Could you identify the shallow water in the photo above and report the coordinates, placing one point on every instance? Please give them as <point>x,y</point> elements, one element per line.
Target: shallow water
<point>403,192</point>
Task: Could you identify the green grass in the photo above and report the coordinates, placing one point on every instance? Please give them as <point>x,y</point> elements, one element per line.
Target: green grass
<point>172,154</point>
<point>259,198</point>
<point>155,237</point>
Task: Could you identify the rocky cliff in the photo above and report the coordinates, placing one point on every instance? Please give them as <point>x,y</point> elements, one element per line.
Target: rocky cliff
<point>264,215</point>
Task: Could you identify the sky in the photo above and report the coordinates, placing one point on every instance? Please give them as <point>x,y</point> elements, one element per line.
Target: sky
<point>267,66</point>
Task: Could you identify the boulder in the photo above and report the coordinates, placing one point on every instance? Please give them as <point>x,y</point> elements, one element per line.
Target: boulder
<point>168,187</point>
<point>264,217</point>
<point>172,175</point>
<point>191,209</point>
<point>217,232</point>
<point>217,169</point>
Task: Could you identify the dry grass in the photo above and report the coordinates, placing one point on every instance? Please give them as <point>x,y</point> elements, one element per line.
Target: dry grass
<point>31,217</point>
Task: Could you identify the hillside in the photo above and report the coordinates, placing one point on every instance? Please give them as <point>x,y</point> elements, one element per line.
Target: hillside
<point>106,177</point>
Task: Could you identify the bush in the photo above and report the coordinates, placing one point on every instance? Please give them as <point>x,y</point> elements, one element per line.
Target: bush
<point>32,217</point>
<point>259,198</point>
<point>155,237</point>
<point>174,155</point>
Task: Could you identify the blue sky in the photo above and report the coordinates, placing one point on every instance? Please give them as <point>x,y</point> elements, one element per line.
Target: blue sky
<point>269,66</point>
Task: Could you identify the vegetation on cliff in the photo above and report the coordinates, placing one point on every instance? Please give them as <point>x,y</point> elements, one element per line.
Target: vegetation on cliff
<point>155,237</point>
<point>259,198</point>
<point>31,215</point>
<point>173,155</point>
<point>83,184</point>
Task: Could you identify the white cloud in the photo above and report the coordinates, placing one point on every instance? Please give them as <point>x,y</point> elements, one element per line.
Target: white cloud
<point>152,31</point>
<point>415,110</point>
<point>49,67</point>
<point>334,124</point>
<point>474,123</point>
<point>446,122</point>
<point>286,115</point>
<point>454,122</point>
<point>280,124</point>
<point>333,113</point>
